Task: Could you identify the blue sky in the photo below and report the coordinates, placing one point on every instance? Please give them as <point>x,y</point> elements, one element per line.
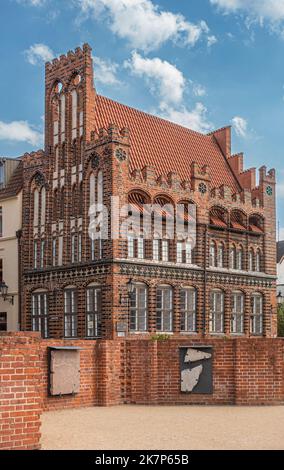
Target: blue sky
<point>202,63</point>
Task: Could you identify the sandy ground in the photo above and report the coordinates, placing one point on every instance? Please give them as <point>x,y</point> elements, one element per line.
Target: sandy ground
<point>183,428</point>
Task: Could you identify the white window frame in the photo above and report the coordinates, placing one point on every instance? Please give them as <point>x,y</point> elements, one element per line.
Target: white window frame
<point>164,313</point>
<point>93,311</point>
<point>238,313</point>
<point>39,315</point>
<point>138,311</point>
<point>257,315</point>
<point>217,311</point>
<point>165,250</point>
<point>188,310</point>
<point>70,313</point>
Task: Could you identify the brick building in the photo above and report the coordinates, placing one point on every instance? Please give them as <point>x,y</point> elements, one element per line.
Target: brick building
<point>95,148</point>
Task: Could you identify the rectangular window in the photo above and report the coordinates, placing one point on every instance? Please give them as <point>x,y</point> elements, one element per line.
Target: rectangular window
<point>93,320</point>
<point>140,248</point>
<point>60,251</point>
<point>1,222</point>
<point>164,309</point>
<point>138,309</point>
<point>93,252</point>
<point>217,312</point>
<point>35,254</point>
<point>130,246</point>
<point>188,310</point>
<point>70,313</point>
<point>80,247</point>
<point>179,252</point>
<point>40,313</point>
<point>54,252</point>
<point>42,252</point>
<point>257,315</point>
<point>238,305</point>
<point>165,250</point>
<point>100,248</point>
<point>3,322</point>
<point>156,249</point>
<point>73,248</point>
<point>188,253</point>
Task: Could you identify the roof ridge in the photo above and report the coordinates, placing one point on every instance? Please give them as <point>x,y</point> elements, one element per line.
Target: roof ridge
<point>159,118</point>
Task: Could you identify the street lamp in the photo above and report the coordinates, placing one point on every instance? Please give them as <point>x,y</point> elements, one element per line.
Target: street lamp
<point>130,287</point>
<point>279,298</point>
<point>4,293</point>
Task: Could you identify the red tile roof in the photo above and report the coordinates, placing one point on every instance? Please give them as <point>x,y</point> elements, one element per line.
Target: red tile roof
<point>165,145</point>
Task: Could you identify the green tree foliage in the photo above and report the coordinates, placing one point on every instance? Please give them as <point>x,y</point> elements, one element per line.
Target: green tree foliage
<point>281,320</point>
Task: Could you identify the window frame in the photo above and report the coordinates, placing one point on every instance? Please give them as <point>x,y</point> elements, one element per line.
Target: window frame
<point>162,311</point>
<point>138,314</point>
<point>186,311</point>
<point>71,313</point>
<point>94,314</point>
<point>257,315</point>
<point>39,320</point>
<point>237,315</point>
<point>216,312</point>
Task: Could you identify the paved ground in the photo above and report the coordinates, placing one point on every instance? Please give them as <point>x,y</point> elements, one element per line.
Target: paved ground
<point>184,428</point>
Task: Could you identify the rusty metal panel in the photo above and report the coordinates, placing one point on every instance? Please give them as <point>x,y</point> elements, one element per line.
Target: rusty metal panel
<point>64,371</point>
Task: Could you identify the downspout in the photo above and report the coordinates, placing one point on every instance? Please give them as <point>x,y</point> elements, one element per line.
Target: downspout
<point>19,238</point>
<point>205,279</point>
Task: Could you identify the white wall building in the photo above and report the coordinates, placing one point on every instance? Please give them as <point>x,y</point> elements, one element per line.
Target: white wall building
<point>10,226</point>
<point>280,270</point>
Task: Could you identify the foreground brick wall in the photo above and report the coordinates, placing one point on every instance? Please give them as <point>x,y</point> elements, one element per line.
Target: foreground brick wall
<point>138,371</point>
<point>20,397</point>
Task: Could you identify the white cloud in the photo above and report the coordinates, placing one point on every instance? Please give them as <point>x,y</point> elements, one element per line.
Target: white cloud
<point>34,3</point>
<point>262,11</point>
<point>38,54</point>
<point>195,119</point>
<point>20,131</point>
<point>240,126</point>
<point>199,90</point>
<point>144,24</point>
<point>162,77</point>
<point>105,71</point>
<point>211,40</point>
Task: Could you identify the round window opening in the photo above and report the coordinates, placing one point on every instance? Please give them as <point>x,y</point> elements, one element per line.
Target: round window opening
<point>269,190</point>
<point>202,188</point>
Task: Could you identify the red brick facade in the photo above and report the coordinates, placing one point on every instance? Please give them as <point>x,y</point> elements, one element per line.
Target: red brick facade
<point>135,153</point>
<point>246,372</point>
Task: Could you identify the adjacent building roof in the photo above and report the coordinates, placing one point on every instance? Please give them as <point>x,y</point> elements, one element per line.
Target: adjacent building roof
<point>14,185</point>
<point>280,251</point>
<point>164,145</point>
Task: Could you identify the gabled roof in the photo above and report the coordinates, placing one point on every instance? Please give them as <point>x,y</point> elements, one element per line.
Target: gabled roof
<point>14,185</point>
<point>280,251</point>
<point>165,145</point>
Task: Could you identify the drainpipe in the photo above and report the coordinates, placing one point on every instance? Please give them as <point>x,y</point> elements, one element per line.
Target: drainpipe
<point>19,238</point>
<point>205,279</point>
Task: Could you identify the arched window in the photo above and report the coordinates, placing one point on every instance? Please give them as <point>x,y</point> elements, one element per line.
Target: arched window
<point>36,207</point>
<point>73,247</point>
<point>165,249</point>
<point>140,247</point>
<point>62,202</point>
<point>156,247</point>
<point>81,200</point>
<point>251,260</point>
<point>221,255</point>
<point>213,254</point>
<point>56,160</point>
<point>239,258</point>
<point>92,186</point>
<point>256,224</point>
<point>74,152</point>
<point>188,309</point>
<point>74,113</point>
<point>93,311</point>
<point>131,245</point>
<point>80,245</point>
<point>70,312</point>
<point>100,187</point>
<point>233,257</point>
<point>258,261</point>
<point>54,205</point>
<point>139,308</point>
<point>257,314</point>
<point>42,252</point>
<point>74,201</point>
<point>238,310</point>
<point>217,311</point>
<point>39,314</point>
<point>219,217</point>
<point>35,253</point>
<point>60,249</point>
<point>63,156</point>
<point>63,109</point>
<point>43,206</point>
<point>164,309</point>
<point>238,220</point>
<point>54,250</point>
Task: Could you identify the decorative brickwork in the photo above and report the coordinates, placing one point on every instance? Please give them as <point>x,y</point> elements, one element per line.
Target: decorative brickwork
<point>245,372</point>
<point>91,138</point>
